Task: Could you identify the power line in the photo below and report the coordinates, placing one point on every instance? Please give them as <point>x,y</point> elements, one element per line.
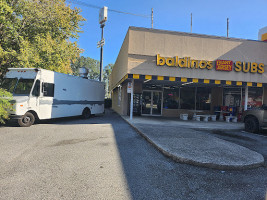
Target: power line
<point>83,4</point>
<point>127,13</point>
<point>111,10</point>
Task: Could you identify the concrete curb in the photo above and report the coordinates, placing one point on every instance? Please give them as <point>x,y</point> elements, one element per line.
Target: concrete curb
<point>193,162</point>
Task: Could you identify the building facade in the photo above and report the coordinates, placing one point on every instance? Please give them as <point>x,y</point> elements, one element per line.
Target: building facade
<point>175,72</point>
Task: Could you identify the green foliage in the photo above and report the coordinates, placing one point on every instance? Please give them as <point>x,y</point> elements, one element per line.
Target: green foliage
<point>5,105</point>
<point>93,67</point>
<point>37,33</point>
<point>106,74</point>
<point>89,63</point>
<point>107,71</point>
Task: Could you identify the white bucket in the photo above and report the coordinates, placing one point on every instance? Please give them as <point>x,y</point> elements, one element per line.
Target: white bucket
<point>184,117</point>
<point>234,119</point>
<point>213,118</point>
<point>205,118</point>
<point>227,118</point>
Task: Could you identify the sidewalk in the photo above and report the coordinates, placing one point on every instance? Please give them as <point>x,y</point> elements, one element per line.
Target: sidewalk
<point>187,142</point>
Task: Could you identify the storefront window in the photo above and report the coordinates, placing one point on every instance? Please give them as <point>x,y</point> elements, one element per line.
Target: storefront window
<point>203,98</point>
<point>119,96</point>
<point>232,97</point>
<point>254,97</point>
<point>171,99</point>
<point>187,98</point>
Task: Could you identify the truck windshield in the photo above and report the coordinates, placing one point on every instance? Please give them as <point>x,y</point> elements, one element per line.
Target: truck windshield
<point>24,86</point>
<point>9,84</point>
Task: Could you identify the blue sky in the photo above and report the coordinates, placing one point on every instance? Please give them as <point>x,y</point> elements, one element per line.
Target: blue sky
<point>209,17</point>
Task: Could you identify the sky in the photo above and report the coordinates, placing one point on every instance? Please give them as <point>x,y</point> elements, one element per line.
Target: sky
<point>246,17</point>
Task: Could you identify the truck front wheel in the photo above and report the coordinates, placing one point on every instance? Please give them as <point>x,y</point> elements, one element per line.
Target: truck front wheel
<point>86,113</point>
<point>26,120</point>
<point>251,125</point>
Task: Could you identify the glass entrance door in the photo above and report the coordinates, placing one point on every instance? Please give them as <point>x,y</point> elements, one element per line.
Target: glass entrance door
<point>146,103</point>
<point>156,103</point>
<point>151,103</point>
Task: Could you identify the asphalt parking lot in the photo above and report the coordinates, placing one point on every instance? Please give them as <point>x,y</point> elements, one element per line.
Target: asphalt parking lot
<point>104,158</point>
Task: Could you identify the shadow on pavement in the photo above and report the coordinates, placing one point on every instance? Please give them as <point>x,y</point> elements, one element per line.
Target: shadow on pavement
<point>58,121</point>
<point>150,175</point>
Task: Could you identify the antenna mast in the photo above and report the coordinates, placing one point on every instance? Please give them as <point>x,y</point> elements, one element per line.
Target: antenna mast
<point>191,22</point>
<point>227,27</point>
<point>151,17</point>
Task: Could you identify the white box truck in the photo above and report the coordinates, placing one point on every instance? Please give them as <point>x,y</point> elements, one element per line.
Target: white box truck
<point>43,94</point>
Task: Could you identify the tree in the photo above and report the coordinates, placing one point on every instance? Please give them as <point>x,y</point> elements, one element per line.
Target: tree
<point>37,33</point>
<point>5,105</point>
<point>93,67</point>
<point>107,71</point>
<point>106,74</point>
<point>90,64</point>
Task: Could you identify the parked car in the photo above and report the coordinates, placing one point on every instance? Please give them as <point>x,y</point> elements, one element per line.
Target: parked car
<point>255,119</point>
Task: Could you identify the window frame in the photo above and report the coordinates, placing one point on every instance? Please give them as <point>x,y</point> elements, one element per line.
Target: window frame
<point>36,92</point>
<point>20,83</point>
<point>46,85</point>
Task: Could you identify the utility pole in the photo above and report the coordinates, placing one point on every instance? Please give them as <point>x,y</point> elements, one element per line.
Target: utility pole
<point>101,51</point>
<point>131,105</point>
<point>227,27</point>
<point>191,22</point>
<point>151,17</point>
<point>103,16</point>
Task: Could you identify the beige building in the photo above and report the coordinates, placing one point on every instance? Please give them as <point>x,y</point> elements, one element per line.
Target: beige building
<point>176,72</point>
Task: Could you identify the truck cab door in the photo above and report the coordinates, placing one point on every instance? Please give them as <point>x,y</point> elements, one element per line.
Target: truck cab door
<point>33,103</point>
<point>46,100</point>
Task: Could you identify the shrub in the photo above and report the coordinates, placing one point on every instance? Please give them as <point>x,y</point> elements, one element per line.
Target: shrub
<point>5,105</point>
